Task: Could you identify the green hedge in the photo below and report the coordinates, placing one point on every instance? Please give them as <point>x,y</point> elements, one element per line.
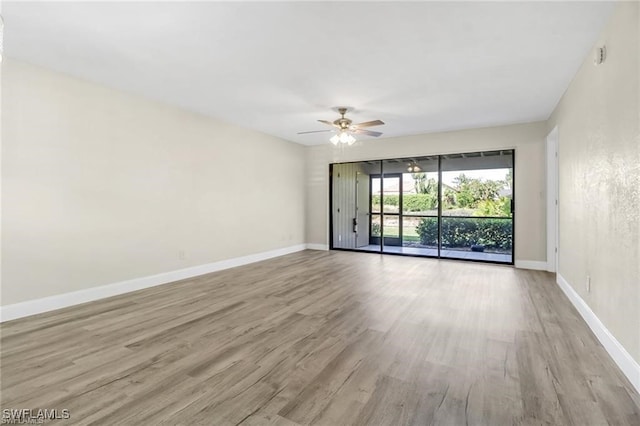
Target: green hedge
<point>412,202</point>
<point>419,202</point>
<point>389,200</point>
<point>492,233</point>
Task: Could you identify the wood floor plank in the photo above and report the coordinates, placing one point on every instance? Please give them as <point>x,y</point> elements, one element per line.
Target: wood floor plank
<point>322,338</point>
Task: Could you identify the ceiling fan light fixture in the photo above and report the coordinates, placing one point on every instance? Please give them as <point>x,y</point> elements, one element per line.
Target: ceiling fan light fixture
<point>346,138</point>
<point>343,137</point>
<point>414,168</point>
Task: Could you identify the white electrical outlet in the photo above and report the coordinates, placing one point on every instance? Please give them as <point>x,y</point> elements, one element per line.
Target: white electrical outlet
<point>588,284</point>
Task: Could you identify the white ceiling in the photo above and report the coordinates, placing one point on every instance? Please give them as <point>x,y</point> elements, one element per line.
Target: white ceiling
<point>279,67</point>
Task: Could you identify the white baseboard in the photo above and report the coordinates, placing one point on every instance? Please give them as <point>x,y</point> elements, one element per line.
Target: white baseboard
<point>45,304</point>
<point>317,247</point>
<point>531,264</point>
<point>620,356</point>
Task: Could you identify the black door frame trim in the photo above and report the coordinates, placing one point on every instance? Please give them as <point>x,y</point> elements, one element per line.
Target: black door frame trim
<point>438,256</point>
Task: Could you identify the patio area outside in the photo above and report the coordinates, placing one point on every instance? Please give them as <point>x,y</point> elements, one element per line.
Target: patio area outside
<point>445,253</point>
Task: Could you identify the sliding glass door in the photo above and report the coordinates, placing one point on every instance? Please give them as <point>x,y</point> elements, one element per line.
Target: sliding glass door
<point>456,206</point>
<point>477,206</point>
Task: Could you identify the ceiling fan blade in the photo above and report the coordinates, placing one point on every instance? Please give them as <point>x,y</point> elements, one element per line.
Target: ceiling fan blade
<point>314,131</point>
<point>329,123</point>
<point>369,124</point>
<point>367,132</point>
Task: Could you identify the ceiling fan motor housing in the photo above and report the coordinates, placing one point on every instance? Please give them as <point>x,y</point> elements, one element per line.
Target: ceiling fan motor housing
<point>343,122</point>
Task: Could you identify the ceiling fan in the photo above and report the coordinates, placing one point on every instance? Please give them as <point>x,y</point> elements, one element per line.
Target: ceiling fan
<point>345,129</point>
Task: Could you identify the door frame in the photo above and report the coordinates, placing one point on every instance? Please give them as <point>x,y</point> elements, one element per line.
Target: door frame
<point>382,238</point>
<point>553,200</point>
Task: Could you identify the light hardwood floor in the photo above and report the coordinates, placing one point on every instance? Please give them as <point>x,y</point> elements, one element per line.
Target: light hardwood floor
<point>327,338</point>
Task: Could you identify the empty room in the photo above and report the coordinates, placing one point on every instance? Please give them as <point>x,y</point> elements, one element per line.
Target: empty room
<point>320,213</point>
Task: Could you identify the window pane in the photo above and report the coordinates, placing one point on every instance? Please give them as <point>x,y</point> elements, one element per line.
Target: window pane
<point>391,194</point>
<point>477,238</point>
<point>420,193</point>
<point>391,226</point>
<point>420,232</point>
<point>477,184</point>
<point>375,225</point>
<point>375,194</point>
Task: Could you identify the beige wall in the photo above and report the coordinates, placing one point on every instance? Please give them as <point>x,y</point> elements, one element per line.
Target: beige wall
<point>99,186</point>
<point>528,140</point>
<point>599,180</point>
